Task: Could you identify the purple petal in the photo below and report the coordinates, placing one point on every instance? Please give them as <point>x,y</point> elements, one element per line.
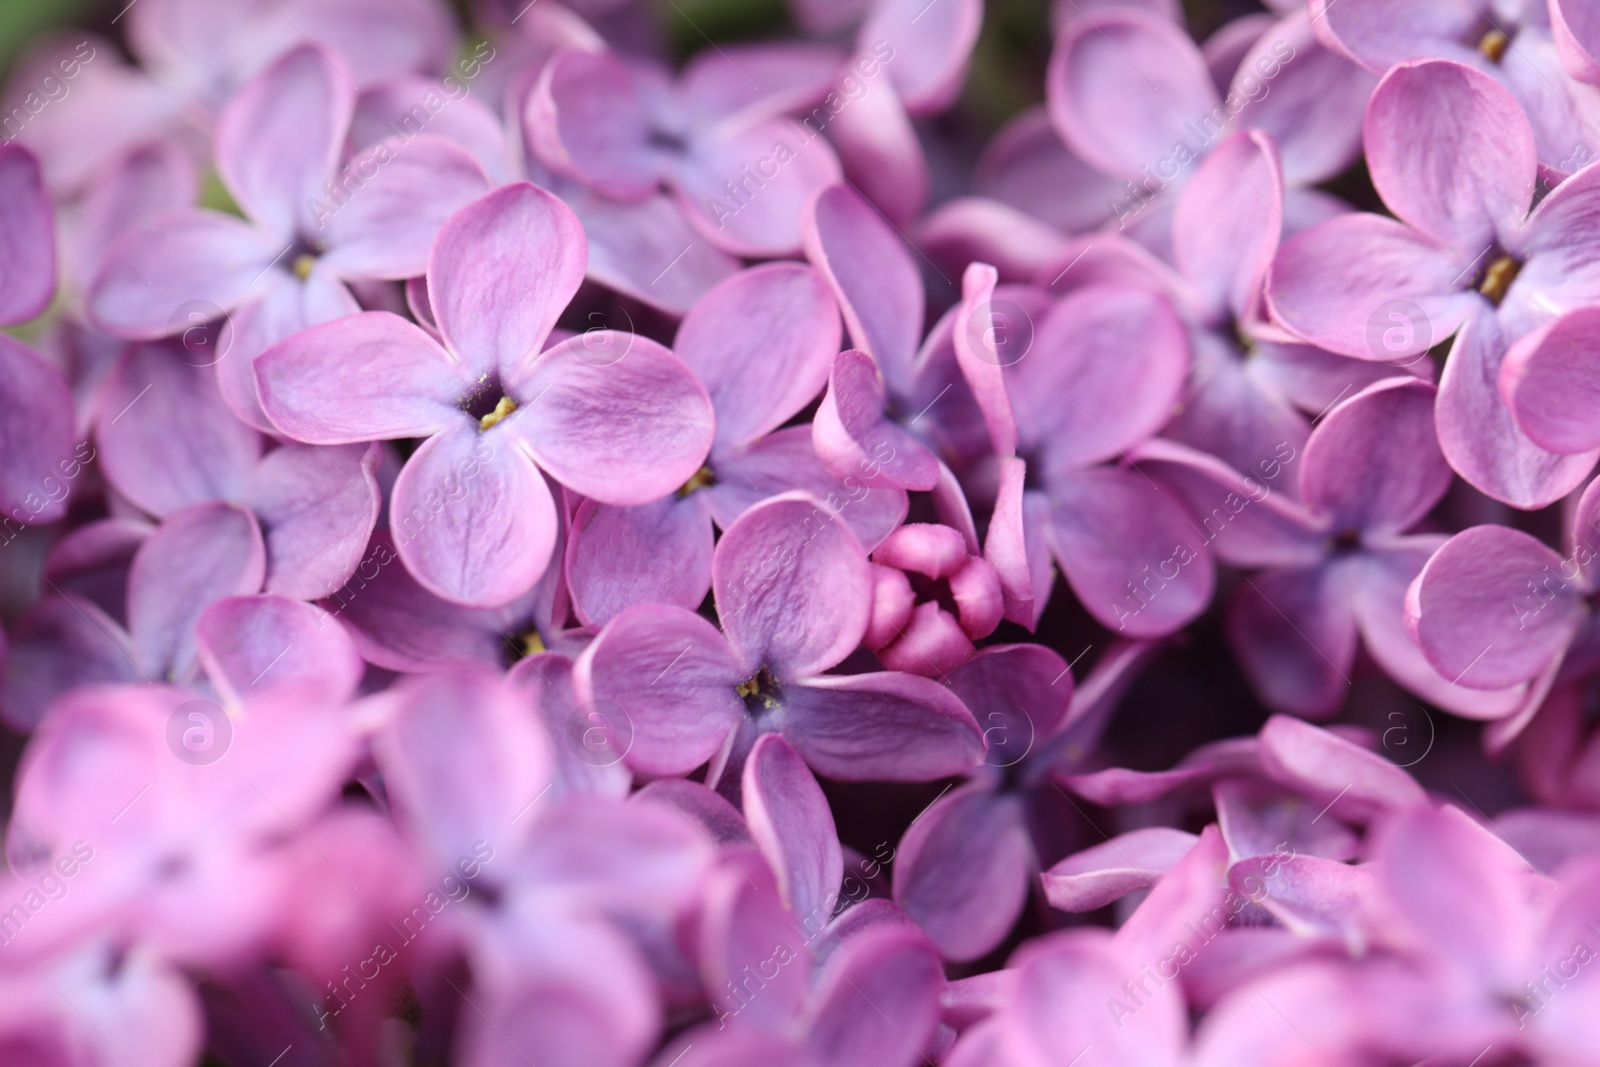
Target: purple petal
<point>1381,33</point>
<point>973,229</point>
<point>773,168</point>
<point>36,431</point>
<point>1483,190</point>
<point>1127,549</point>
<point>873,276</point>
<point>786,460</point>
<point>792,587</point>
<point>1027,167</point>
<point>1257,818</point>
<point>613,416</point>
<point>265,647</point>
<point>1310,895</point>
<point>409,106</point>
<point>1016,546</point>
<point>365,377</point>
<point>1368,287</point>
<point>195,557</point>
<point>761,80</point>
<point>1295,635</point>
<point>671,677</point>
<point>1577,34</point>
<point>1020,694</point>
<point>1107,872</point>
<point>403,191</point>
<point>854,435</point>
<point>880,153</point>
<point>27,237</point>
<point>1228,222</point>
<point>1560,270</point>
<point>1548,384</point>
<point>621,557</point>
<point>168,440</point>
<point>790,822</point>
<point>1106,367</point>
<point>961,870</point>
<point>648,251</point>
<point>174,263</point>
<point>746,930</point>
<point>981,335</point>
<point>588,118</point>
<point>880,727</point>
<point>932,52</point>
<point>61,643</point>
<point>462,759</point>
<point>1479,437</point>
<point>761,343</point>
<point>1122,86</point>
<point>1374,463</point>
<point>317,507</point>
<point>1355,783</point>
<point>280,137</point>
<point>1493,607</point>
<point>474,521</point>
<point>877,1002</point>
<point>501,271</point>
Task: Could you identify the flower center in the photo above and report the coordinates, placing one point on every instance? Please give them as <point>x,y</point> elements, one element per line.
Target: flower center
<point>303,264</point>
<point>1346,541</point>
<point>700,479</point>
<point>759,693</point>
<point>1493,45</point>
<point>1497,279</point>
<point>502,408</point>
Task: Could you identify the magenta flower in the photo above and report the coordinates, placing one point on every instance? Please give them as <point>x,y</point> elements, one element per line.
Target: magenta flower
<point>932,597</point>
<point>761,343</point>
<point>793,590</point>
<point>613,416</point>
<point>314,222</point>
<point>1467,258</point>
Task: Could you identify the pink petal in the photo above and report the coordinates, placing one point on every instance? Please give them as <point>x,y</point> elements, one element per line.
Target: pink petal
<point>879,150</point>
<point>588,119</point>
<point>621,557</point>
<point>647,250</point>
<point>613,416</point>
<point>1381,33</point>
<point>167,439</point>
<point>27,237</point>
<point>761,343</point>
<point>1485,187</point>
<point>1295,635</point>
<point>1374,463</point>
<point>773,169</point>
<point>877,1002</point>
<point>1546,383</point>
<point>1479,437</point>
<point>462,760</point>
<point>1128,551</point>
<point>1027,167</point>
<point>473,519</point>
<point>1577,34</point>
<point>1493,607</point>
<point>974,229</point>
<point>873,276</point>
<point>402,192</point>
<point>792,587</point>
<point>854,435</point>
<point>981,333</point>
<point>932,53</point>
<point>365,377</point>
<point>1122,85</point>
<point>61,642</point>
<point>1355,783</point>
<point>880,727</point>
<point>761,80</point>
<point>1310,895</point>
<point>195,557</point>
<point>961,870</point>
<point>500,273</point>
<point>1107,872</point>
<point>317,507</point>
<point>790,822</point>
<point>280,137</point>
<point>1228,222</point>
<point>264,647</point>
<point>671,677</point>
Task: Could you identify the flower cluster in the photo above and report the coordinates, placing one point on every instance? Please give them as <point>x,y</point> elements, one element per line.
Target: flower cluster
<point>520,545</point>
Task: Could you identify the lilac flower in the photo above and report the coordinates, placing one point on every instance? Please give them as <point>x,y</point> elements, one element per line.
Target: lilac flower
<point>760,343</point>
<point>1468,258</point>
<point>739,173</point>
<point>1132,97</point>
<point>313,223</point>
<point>479,520</point>
<point>793,591</point>
<point>28,254</point>
<point>1338,557</point>
<point>1493,607</point>
<point>1522,46</point>
<point>919,571</point>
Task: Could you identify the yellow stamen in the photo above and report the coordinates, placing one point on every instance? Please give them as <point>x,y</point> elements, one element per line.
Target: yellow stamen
<point>532,644</point>
<point>303,264</point>
<point>748,689</point>
<point>505,407</point>
<point>1498,278</point>
<point>698,480</point>
<point>1494,45</point>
